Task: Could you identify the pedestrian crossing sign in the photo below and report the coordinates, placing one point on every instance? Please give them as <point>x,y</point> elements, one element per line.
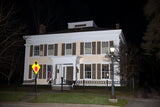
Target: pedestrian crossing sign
<point>36,67</point>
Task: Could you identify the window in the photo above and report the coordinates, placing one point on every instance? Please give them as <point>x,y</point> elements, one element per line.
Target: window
<point>50,49</point>
<point>104,47</point>
<point>105,71</point>
<point>88,49</point>
<point>69,49</point>
<point>49,72</point>
<point>87,71</point>
<point>36,50</point>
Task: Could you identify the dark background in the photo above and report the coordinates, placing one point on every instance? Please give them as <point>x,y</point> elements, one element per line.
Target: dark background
<point>106,13</point>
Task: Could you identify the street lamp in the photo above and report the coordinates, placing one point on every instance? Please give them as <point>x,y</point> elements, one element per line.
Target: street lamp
<point>112,49</point>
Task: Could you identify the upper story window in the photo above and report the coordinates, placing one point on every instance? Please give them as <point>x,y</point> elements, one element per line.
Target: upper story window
<point>51,49</point>
<point>104,47</point>
<point>87,71</point>
<point>69,49</point>
<point>36,50</point>
<point>88,48</point>
<point>105,71</point>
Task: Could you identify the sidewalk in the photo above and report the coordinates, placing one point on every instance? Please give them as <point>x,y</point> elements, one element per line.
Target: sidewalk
<point>24,104</point>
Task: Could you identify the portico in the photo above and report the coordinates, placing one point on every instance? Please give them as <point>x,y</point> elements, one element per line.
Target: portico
<point>64,66</point>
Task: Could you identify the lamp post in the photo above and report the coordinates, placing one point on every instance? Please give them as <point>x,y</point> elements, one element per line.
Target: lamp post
<point>112,49</point>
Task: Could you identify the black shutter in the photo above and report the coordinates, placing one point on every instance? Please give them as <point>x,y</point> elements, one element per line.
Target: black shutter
<point>93,47</point>
<point>99,47</point>
<point>98,71</point>
<point>44,71</point>
<point>41,50</point>
<point>45,50</point>
<point>74,49</point>
<point>56,50</point>
<point>93,71</point>
<point>81,71</point>
<point>31,50</point>
<point>30,72</point>
<point>63,49</point>
<point>81,48</point>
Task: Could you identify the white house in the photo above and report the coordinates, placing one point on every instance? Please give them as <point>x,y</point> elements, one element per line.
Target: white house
<point>76,55</point>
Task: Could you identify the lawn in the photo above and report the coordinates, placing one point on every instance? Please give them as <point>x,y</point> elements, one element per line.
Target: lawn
<point>11,97</point>
<point>76,98</point>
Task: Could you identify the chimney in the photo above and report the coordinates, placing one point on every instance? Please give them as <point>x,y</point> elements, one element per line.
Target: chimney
<point>117,26</point>
<point>42,29</point>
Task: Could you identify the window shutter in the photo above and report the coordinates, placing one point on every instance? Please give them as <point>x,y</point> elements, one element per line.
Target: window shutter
<point>93,71</point>
<point>110,71</point>
<point>63,49</point>
<point>74,49</point>
<point>31,50</point>
<point>98,71</point>
<point>99,47</point>
<point>44,71</point>
<point>56,50</point>
<point>41,50</point>
<point>111,43</point>
<point>93,47</point>
<point>81,48</point>
<point>40,72</point>
<point>81,71</point>
<point>30,72</point>
<point>45,50</point>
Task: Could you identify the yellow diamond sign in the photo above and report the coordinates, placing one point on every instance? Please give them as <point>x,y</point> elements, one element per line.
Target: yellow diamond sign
<point>36,67</point>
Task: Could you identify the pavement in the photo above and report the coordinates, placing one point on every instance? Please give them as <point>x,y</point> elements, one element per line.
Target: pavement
<point>143,102</point>
<point>23,104</point>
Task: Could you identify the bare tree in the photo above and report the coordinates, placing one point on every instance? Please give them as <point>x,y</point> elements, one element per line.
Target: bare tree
<point>11,41</point>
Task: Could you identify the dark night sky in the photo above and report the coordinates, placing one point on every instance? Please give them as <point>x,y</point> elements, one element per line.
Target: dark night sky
<point>106,13</point>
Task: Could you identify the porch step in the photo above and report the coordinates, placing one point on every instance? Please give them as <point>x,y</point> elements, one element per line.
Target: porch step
<point>65,87</point>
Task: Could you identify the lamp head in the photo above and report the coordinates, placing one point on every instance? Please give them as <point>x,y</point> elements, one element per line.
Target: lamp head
<point>112,49</point>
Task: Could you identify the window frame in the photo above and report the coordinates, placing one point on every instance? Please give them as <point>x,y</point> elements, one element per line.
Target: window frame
<point>34,52</point>
<point>108,63</point>
<point>66,49</point>
<point>53,49</point>
<point>84,72</point>
<point>85,48</point>
<point>107,49</point>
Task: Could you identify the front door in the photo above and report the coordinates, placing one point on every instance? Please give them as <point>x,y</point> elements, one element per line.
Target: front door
<point>69,75</point>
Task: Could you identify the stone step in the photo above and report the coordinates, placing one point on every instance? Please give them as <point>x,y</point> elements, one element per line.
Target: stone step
<point>58,87</point>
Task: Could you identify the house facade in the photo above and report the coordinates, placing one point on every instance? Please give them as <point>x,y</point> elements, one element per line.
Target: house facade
<point>76,56</point>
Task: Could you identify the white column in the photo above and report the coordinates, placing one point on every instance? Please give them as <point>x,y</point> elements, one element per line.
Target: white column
<point>26,62</point>
<point>74,72</point>
<point>53,74</point>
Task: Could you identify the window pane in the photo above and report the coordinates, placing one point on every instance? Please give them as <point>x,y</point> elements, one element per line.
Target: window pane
<point>68,49</point>
<point>87,70</point>
<point>68,46</point>
<point>36,50</point>
<point>88,48</point>
<point>50,49</point>
<point>104,47</point>
<point>88,67</point>
<point>105,71</point>
<point>87,45</point>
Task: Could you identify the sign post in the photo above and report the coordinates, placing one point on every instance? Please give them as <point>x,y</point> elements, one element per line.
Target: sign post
<point>36,68</point>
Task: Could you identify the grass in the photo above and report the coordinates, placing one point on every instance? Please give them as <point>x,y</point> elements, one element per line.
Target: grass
<point>77,98</point>
<point>11,97</point>
<point>119,91</point>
